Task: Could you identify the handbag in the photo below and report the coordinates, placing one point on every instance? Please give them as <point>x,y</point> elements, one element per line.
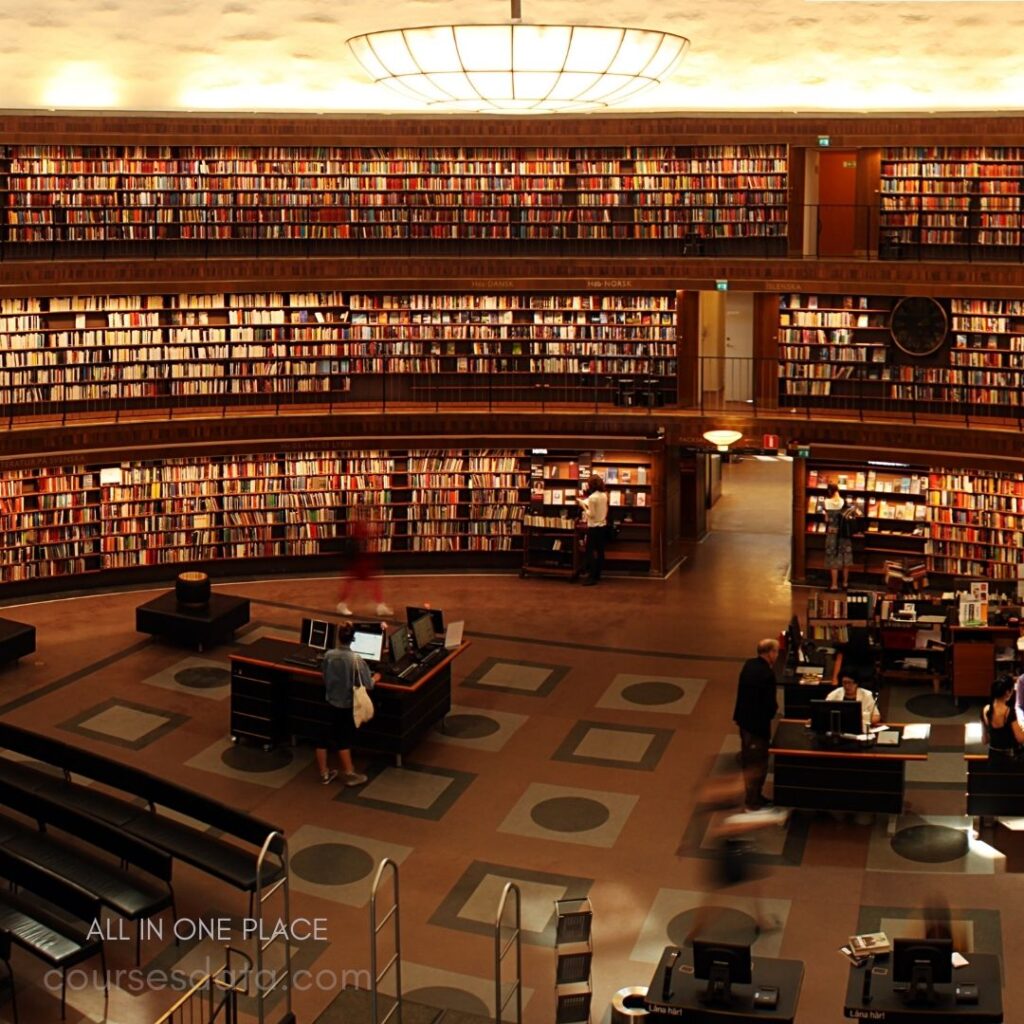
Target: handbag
<point>362,706</point>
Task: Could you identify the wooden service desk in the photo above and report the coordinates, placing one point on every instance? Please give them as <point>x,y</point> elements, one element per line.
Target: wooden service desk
<point>812,774</point>
<point>885,1004</point>
<point>995,787</point>
<point>274,702</point>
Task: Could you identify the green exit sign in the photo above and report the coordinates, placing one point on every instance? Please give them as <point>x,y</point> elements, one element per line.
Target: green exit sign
<point>824,141</point>
<point>803,452</point>
<point>722,286</point>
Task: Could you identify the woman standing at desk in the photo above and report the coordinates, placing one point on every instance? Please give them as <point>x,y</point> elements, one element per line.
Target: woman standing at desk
<point>1003,732</point>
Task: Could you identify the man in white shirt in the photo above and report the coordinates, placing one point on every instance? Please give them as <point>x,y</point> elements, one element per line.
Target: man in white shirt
<point>595,515</point>
<point>849,690</point>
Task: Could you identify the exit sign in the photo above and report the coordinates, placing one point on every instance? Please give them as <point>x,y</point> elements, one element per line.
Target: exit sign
<point>824,141</point>
<point>803,451</point>
<point>722,286</point>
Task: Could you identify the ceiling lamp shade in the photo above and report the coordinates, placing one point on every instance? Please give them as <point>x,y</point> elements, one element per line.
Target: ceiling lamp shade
<point>519,68</point>
<point>721,439</point>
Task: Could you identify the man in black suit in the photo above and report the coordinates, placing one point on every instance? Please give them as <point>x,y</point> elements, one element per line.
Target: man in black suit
<point>756,706</point>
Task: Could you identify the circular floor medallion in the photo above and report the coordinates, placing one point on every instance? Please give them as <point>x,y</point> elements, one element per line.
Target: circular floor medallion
<point>570,814</point>
<point>449,999</point>
<point>470,727</point>
<point>332,864</point>
<point>244,758</point>
<point>201,677</point>
<point>933,705</point>
<point>721,924</point>
<point>930,844</point>
<point>653,693</point>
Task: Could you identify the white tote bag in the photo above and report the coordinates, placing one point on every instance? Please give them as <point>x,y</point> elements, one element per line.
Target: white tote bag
<point>362,706</point>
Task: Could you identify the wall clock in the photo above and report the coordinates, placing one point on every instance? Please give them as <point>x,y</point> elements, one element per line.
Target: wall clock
<point>919,326</point>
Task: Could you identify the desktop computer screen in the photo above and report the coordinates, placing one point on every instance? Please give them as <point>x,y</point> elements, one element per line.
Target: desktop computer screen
<point>317,633</point>
<point>367,645</point>
<point>721,965</point>
<point>423,632</point>
<point>436,617</point>
<point>922,964</point>
<point>837,716</point>
<point>398,643</point>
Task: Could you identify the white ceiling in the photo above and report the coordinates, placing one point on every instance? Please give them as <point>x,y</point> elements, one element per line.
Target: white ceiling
<point>290,55</point>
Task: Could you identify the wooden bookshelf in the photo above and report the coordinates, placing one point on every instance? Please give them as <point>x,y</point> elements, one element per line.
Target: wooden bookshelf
<point>466,504</point>
<point>161,350</point>
<point>714,199</point>
<point>956,522</point>
<point>948,201</point>
<point>836,350</point>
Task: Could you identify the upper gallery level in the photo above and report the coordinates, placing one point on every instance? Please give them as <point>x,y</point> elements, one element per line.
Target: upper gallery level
<point>845,188</point>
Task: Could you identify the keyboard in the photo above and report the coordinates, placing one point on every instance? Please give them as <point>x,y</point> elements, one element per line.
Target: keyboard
<point>305,660</point>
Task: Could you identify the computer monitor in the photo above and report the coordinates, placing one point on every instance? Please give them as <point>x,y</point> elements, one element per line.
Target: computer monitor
<point>436,617</point>
<point>721,965</point>
<point>922,964</point>
<point>367,645</point>
<point>398,643</point>
<point>423,632</point>
<point>317,633</point>
<point>836,716</point>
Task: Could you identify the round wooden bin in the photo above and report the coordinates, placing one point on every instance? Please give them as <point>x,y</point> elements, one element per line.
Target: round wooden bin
<point>192,589</point>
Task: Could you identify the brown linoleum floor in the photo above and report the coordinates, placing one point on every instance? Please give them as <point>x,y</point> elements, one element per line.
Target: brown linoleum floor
<point>585,786</point>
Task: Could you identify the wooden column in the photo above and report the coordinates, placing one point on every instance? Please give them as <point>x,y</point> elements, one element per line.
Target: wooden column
<point>795,212</point>
<point>766,352</point>
<point>657,452</point>
<point>688,348</point>
<point>798,557</point>
<point>869,174</point>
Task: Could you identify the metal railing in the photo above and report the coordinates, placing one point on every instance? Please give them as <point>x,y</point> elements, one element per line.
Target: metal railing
<point>872,392</point>
<point>875,231</point>
<point>376,927</point>
<point>275,844</point>
<point>213,999</point>
<point>503,947</point>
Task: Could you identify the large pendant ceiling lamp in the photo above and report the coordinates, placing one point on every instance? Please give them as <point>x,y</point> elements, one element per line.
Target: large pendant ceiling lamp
<point>514,67</point>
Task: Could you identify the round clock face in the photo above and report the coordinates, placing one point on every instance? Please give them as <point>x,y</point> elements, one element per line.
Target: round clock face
<point>919,326</point>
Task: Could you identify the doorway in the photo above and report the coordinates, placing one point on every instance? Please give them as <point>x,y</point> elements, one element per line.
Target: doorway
<point>837,198</point>
<point>739,348</point>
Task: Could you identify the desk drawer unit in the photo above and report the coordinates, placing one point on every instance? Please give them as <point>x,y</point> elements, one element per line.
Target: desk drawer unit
<point>839,784</point>
<point>256,704</point>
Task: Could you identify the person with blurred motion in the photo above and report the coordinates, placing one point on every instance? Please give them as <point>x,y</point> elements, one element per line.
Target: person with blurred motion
<point>362,561</point>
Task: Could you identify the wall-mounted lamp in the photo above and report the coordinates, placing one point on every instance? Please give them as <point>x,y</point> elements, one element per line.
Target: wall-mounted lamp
<point>721,439</point>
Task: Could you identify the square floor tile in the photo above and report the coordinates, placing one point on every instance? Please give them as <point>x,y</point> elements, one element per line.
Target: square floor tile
<point>933,844</point>
<point>478,728</point>
<point>675,911</point>
<point>664,695</point>
<point>202,677</point>
<point>472,903</point>
<point>449,990</point>
<point>589,817</point>
<point>251,763</point>
<point>974,931</point>
<point>274,632</point>
<point>943,769</point>
<point>338,866</point>
<point>124,723</point>
<point>506,675</point>
<point>416,790</point>
<point>614,746</point>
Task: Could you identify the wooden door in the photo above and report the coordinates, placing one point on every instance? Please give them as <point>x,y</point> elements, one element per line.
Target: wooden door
<point>837,197</point>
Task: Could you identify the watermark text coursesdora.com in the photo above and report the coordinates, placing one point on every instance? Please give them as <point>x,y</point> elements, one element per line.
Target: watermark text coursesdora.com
<point>136,980</point>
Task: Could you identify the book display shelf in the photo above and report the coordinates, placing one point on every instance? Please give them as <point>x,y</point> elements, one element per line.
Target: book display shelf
<point>714,199</point>
<point>157,351</point>
<point>79,520</point>
<point>952,202</point>
<point>558,479</point>
<point>838,350</point>
<point>937,521</point>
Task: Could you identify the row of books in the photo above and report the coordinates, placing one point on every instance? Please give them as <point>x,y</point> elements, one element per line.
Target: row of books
<point>870,480</point>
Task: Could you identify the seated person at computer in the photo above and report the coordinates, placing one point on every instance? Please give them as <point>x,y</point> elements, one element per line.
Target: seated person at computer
<point>343,671</point>
<point>849,690</point>
<point>1003,733</point>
